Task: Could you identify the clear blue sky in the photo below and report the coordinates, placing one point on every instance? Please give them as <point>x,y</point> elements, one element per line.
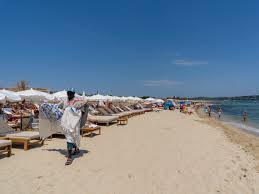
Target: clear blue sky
<point>133,47</point>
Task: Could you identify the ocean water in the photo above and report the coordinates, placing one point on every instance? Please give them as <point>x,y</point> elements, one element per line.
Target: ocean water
<point>233,113</point>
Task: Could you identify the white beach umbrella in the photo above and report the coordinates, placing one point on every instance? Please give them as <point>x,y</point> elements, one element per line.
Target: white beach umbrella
<point>138,99</point>
<point>109,98</point>
<point>116,98</point>
<point>113,98</point>
<point>123,98</point>
<point>35,95</point>
<point>2,98</point>
<point>150,100</point>
<point>159,101</point>
<point>62,95</point>
<point>97,97</point>
<point>130,98</point>
<point>10,95</point>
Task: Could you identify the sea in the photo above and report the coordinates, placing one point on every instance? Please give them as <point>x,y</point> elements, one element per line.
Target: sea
<point>233,113</point>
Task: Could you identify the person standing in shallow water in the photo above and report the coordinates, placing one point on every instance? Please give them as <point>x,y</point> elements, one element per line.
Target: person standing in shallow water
<point>219,112</point>
<point>209,111</point>
<point>245,115</point>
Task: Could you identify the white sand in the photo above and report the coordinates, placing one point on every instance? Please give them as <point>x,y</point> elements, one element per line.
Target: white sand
<point>164,152</point>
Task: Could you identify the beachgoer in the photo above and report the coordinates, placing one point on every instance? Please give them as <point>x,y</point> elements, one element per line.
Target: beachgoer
<point>209,111</point>
<point>245,115</point>
<point>1,111</point>
<point>72,117</point>
<point>219,112</point>
<point>206,110</point>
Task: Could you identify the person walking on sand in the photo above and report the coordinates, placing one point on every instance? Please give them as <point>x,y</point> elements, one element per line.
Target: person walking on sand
<point>71,121</point>
<point>219,112</point>
<point>245,115</point>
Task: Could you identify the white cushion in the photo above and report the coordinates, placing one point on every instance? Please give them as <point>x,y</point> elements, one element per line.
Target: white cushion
<point>25,134</point>
<point>4,143</point>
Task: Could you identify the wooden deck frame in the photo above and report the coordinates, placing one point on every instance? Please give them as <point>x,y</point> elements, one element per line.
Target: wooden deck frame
<point>26,141</point>
<point>6,149</point>
<point>123,121</point>
<point>90,130</point>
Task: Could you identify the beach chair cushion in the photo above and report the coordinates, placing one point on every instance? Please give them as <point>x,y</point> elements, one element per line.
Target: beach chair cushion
<point>4,143</point>
<point>5,128</point>
<point>25,134</point>
<point>102,119</point>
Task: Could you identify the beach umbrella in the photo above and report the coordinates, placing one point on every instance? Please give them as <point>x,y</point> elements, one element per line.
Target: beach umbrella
<point>130,98</point>
<point>84,97</point>
<point>150,100</point>
<point>35,95</point>
<point>62,95</point>
<point>112,98</point>
<point>123,98</point>
<point>10,95</point>
<point>97,97</point>
<point>115,98</point>
<point>138,99</point>
<point>109,98</point>
<point>2,98</point>
<point>160,101</point>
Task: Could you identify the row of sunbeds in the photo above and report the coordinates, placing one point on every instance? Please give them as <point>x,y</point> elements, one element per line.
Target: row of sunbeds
<point>107,116</point>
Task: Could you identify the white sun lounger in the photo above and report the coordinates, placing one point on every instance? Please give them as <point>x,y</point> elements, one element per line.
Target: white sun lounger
<point>25,137</point>
<point>6,147</point>
<point>102,119</point>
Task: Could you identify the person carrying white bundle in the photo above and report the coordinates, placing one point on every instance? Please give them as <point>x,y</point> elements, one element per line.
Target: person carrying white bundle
<point>71,122</point>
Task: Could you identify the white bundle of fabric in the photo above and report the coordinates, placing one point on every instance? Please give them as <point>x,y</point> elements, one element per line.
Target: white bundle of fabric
<point>70,122</point>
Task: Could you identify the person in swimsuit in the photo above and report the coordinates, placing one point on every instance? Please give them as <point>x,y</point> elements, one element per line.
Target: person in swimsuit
<point>245,115</point>
<point>219,112</point>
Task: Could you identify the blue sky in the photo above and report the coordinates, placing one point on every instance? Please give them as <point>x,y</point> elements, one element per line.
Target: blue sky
<point>136,47</point>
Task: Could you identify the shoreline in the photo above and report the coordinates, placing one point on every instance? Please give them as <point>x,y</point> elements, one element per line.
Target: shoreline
<point>247,140</point>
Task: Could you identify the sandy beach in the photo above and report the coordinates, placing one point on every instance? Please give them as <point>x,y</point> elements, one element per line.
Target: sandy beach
<point>166,152</point>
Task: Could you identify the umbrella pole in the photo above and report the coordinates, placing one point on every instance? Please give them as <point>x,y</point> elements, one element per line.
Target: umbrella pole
<point>21,121</point>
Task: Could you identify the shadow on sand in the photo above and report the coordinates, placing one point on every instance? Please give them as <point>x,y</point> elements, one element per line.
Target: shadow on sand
<point>64,152</point>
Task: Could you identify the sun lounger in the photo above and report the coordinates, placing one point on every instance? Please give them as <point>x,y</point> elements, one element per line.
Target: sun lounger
<point>136,112</point>
<point>148,109</point>
<point>25,137</point>
<point>90,128</point>
<point>128,111</point>
<point>120,114</point>
<point>103,111</point>
<point>6,147</point>
<point>108,112</point>
<point>102,119</point>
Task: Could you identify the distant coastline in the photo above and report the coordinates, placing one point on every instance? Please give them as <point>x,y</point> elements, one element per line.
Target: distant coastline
<point>252,97</point>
